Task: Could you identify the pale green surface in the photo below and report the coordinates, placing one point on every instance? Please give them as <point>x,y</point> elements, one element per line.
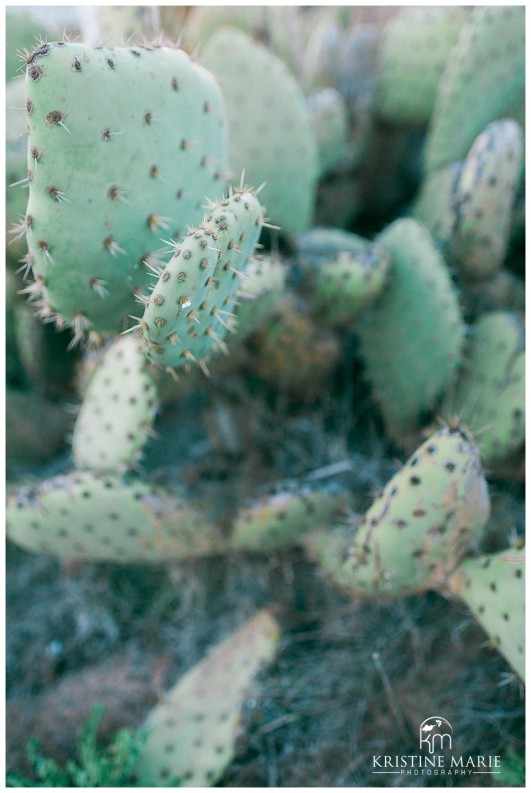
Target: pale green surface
<point>411,339</point>
<point>330,120</point>
<point>429,515</point>
<point>484,79</point>
<point>191,733</point>
<point>271,134</point>
<point>119,195</point>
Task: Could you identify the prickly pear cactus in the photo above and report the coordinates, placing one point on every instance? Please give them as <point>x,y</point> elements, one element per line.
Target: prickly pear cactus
<point>280,520</point>
<point>341,289</point>
<point>192,304</point>
<point>435,203</point>
<point>320,244</point>
<point>123,145</point>
<point>493,588</point>
<point>411,338</point>
<point>490,393</point>
<point>117,412</point>
<point>262,289</point>
<point>505,291</point>
<point>484,199</point>
<point>483,80</point>
<point>271,134</point>
<point>23,33</point>
<point>85,515</point>
<point>428,517</point>
<point>191,733</point>
<point>329,116</point>
<point>415,46</point>
<point>16,169</point>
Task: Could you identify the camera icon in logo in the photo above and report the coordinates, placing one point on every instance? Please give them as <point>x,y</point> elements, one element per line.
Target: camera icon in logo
<point>435,734</point>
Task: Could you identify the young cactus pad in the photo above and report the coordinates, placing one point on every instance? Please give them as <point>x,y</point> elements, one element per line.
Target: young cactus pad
<point>411,338</point>
<point>191,306</point>
<point>191,733</point>
<point>493,588</point>
<point>271,132</point>
<point>430,514</point>
<point>85,515</point>
<point>483,80</point>
<point>118,409</point>
<point>484,199</point>
<point>279,520</point>
<point>490,393</point>
<point>124,144</point>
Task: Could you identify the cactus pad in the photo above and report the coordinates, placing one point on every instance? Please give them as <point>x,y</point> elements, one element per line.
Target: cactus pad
<point>191,306</point>
<point>191,733</point>
<point>93,516</point>
<point>490,394</point>
<point>411,338</point>
<point>329,116</point>
<point>483,81</point>
<point>279,520</point>
<point>271,133</point>
<point>493,588</point>
<point>123,145</point>
<point>118,410</point>
<point>428,517</point>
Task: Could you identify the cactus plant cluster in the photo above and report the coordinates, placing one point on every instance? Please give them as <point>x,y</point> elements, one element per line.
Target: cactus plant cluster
<point>150,181</point>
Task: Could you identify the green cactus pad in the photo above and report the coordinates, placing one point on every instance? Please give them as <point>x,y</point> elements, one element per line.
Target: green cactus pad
<point>279,520</point>
<point>344,287</point>
<point>490,393</point>
<point>320,243</point>
<point>484,199</point>
<point>123,145</point>
<point>493,588</point>
<point>23,33</point>
<point>329,116</point>
<point>271,133</point>
<point>191,306</point>
<point>415,46</point>
<point>411,338</point>
<point>84,515</point>
<point>428,517</point>
<point>505,291</point>
<point>191,733</point>
<point>484,79</point>
<point>118,410</point>
<point>435,203</point>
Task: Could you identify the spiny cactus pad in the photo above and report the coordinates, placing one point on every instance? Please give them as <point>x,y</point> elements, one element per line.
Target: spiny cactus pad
<point>490,394</point>
<point>484,199</point>
<point>191,733</point>
<point>84,515</point>
<point>118,409</point>
<point>124,143</point>
<point>428,517</point>
<point>340,289</point>
<point>279,520</point>
<point>191,306</point>
<point>483,80</point>
<point>493,588</point>
<point>271,133</point>
<point>415,46</point>
<point>411,338</point>
<point>435,203</point>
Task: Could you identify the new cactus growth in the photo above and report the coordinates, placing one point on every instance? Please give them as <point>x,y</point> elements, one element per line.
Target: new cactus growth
<point>411,338</point>
<point>86,515</point>
<point>118,410</point>
<point>429,516</point>
<point>484,199</point>
<point>279,520</point>
<point>493,588</point>
<point>484,79</point>
<point>415,46</point>
<point>123,145</point>
<point>490,393</point>
<point>192,304</point>
<point>191,733</point>
<point>271,133</point>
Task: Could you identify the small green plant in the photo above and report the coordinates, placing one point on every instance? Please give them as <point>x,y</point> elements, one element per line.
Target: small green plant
<point>110,766</point>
